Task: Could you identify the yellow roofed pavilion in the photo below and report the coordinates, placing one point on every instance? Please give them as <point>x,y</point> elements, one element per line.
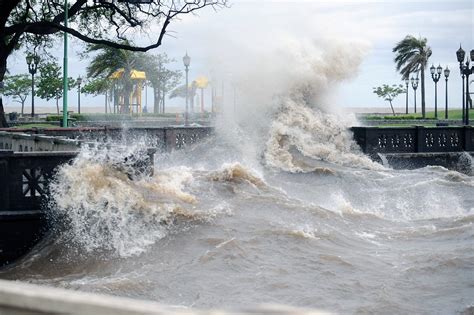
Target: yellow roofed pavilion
<point>135,97</point>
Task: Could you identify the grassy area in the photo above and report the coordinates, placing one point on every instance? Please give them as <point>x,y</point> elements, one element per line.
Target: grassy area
<point>404,125</point>
<point>452,114</point>
<point>111,117</point>
<point>455,114</point>
<point>38,125</point>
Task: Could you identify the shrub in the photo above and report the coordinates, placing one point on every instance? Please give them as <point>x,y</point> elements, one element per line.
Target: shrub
<point>401,117</point>
<point>54,117</point>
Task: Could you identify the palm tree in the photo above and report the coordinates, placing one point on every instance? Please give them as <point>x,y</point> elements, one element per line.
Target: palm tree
<point>108,60</point>
<point>412,55</point>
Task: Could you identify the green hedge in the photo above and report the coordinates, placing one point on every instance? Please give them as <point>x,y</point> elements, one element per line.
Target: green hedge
<point>88,117</point>
<point>53,118</point>
<point>114,117</point>
<point>404,117</point>
<point>396,117</point>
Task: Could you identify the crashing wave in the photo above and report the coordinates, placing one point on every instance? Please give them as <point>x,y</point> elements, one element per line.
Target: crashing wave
<point>299,129</point>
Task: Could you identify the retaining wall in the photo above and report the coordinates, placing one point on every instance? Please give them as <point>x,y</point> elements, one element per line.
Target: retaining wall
<point>164,138</point>
<point>373,140</point>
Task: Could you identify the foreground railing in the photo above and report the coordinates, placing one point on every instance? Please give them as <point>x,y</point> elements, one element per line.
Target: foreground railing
<point>20,298</point>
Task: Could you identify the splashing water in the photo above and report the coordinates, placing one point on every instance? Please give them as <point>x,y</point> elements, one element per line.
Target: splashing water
<point>108,210</point>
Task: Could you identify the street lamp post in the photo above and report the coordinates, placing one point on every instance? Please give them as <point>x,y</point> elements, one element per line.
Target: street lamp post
<point>187,62</point>
<point>463,108</point>
<point>465,70</point>
<point>79,82</point>
<point>446,75</point>
<point>65,66</point>
<point>32,61</point>
<point>435,75</point>
<point>407,81</point>
<point>414,85</point>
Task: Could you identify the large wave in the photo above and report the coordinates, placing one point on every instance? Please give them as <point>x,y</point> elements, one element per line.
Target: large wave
<point>285,107</point>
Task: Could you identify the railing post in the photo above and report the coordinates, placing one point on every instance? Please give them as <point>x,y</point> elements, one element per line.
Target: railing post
<point>361,135</point>
<point>468,144</point>
<point>170,139</point>
<point>420,137</point>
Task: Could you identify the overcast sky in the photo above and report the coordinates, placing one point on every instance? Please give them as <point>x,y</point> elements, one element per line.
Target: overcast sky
<point>229,36</point>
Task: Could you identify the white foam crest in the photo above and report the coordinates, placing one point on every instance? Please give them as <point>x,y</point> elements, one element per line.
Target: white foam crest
<point>304,231</point>
<point>236,172</point>
<point>399,206</point>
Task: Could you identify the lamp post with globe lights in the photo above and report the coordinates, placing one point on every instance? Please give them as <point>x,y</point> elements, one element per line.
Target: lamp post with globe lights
<point>446,75</point>
<point>32,60</point>
<point>435,75</point>
<point>187,62</point>
<point>465,71</point>
<point>414,85</point>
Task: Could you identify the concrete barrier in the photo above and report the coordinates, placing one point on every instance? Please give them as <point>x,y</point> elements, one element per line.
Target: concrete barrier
<point>21,298</point>
<point>419,139</point>
<point>22,142</point>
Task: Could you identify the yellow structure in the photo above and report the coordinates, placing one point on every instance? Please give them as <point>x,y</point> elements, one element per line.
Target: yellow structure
<point>201,82</point>
<point>138,78</point>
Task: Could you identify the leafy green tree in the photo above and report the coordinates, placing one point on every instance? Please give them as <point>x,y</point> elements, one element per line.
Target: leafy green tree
<point>412,55</point>
<point>18,87</point>
<point>107,60</point>
<point>389,93</point>
<point>50,82</point>
<point>161,79</point>
<point>97,86</point>
<point>96,22</point>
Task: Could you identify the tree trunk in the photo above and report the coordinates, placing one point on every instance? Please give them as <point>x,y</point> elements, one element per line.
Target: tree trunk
<point>3,120</point>
<point>156,100</point>
<point>164,97</point>
<point>423,108</point>
<point>126,97</point>
<point>3,69</point>
<point>57,105</point>
<point>128,89</point>
<point>391,106</point>
<point>22,107</point>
